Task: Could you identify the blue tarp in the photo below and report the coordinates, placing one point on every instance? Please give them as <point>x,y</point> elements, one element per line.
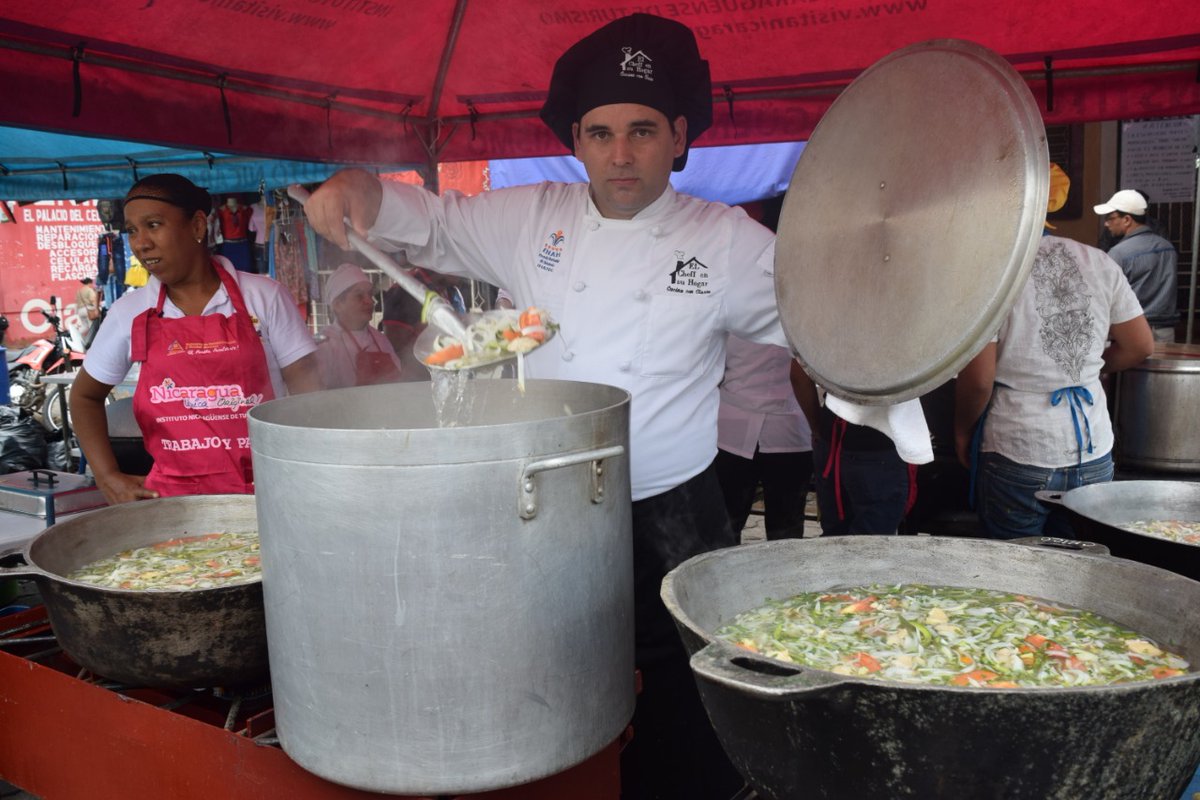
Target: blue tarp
<point>737,174</point>
<point>32,167</point>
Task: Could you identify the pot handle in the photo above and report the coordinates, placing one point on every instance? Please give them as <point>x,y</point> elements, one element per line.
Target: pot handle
<point>1050,497</point>
<point>527,502</point>
<point>1056,542</point>
<point>732,666</point>
<point>27,570</point>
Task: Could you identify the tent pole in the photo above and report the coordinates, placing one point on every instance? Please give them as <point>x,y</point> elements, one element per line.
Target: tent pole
<point>1195,245</point>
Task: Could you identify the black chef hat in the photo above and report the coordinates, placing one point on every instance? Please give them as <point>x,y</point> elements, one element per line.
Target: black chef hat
<point>641,58</point>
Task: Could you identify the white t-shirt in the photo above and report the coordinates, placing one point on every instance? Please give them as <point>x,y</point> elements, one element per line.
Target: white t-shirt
<point>1054,338</point>
<point>758,407</point>
<point>284,336</point>
<point>643,304</point>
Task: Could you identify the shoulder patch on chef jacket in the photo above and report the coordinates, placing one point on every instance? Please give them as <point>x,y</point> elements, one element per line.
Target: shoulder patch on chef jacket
<point>689,276</point>
<point>551,252</point>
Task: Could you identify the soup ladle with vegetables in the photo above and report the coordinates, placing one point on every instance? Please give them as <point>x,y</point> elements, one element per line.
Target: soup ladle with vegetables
<point>485,342</point>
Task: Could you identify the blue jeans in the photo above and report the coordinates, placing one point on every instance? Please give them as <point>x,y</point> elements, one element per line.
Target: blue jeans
<point>1005,495</point>
<point>875,488</point>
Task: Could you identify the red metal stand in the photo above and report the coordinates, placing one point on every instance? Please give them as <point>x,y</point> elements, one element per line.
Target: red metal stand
<point>63,738</point>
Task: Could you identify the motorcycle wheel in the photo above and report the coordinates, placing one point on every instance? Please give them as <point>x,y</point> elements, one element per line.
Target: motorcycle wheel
<point>52,417</point>
<point>25,391</point>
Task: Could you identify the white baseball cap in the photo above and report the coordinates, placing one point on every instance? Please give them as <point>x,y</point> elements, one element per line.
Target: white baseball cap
<point>1126,201</point>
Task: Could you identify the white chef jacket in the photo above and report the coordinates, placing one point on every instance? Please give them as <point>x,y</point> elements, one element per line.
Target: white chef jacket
<point>758,407</point>
<point>285,338</point>
<point>642,304</point>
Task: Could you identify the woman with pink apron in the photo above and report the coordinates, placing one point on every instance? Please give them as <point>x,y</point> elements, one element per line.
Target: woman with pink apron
<point>211,345</point>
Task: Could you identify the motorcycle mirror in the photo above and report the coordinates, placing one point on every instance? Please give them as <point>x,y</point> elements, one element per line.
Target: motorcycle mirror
<point>53,301</point>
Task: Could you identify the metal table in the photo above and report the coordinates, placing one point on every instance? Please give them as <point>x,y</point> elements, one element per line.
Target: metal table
<point>64,379</point>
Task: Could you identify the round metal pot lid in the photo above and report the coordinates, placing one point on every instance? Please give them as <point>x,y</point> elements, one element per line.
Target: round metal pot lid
<point>911,221</point>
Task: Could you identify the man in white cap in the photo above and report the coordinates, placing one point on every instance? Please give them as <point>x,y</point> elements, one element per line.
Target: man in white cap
<point>1148,260</point>
<point>645,284</point>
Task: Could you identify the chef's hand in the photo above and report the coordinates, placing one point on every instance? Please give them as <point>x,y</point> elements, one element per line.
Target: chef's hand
<point>352,194</point>
<point>122,488</point>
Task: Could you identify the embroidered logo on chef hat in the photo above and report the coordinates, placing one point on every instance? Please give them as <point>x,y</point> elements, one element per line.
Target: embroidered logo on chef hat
<point>636,65</point>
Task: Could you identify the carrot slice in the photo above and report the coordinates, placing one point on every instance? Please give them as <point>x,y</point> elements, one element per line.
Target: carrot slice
<point>977,675</point>
<point>448,353</point>
<point>867,662</point>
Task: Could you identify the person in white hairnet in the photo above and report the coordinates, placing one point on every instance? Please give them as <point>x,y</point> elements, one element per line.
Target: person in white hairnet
<point>353,353</point>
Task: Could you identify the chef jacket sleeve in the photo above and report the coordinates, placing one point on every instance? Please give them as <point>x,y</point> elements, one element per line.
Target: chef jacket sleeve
<point>751,311</point>
<point>452,234</point>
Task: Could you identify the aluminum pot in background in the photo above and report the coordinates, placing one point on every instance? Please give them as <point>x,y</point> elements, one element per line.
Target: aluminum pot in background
<point>474,624</point>
<point>800,733</point>
<point>1158,407</point>
<point>197,637</point>
<point>1099,510</point>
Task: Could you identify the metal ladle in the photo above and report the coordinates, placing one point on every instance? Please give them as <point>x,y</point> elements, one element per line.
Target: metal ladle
<point>438,312</point>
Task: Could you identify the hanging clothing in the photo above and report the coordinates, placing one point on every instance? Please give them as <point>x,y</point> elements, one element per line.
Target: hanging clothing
<point>200,375</point>
<point>235,223</point>
<point>111,257</point>
<point>290,257</point>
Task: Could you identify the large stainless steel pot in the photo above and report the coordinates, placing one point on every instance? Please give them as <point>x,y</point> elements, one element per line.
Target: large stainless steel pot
<point>202,637</point>
<point>474,627</point>
<point>1098,510</point>
<point>796,732</point>
<point>1157,409</point>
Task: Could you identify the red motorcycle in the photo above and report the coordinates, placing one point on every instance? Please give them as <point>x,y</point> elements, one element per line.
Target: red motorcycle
<point>49,356</point>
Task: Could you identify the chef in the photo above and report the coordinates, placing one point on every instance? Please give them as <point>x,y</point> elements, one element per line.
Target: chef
<point>645,283</point>
<point>212,343</point>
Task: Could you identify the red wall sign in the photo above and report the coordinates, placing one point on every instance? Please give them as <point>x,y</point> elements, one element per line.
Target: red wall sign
<point>47,250</point>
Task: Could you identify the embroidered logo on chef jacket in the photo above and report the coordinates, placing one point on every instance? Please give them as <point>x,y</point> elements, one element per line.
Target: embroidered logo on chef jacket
<point>551,252</point>
<point>175,348</point>
<point>688,277</point>
<point>636,65</point>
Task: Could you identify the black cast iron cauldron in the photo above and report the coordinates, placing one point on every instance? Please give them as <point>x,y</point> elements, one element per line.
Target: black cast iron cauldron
<point>796,732</point>
<point>202,637</point>
<point>1097,510</point>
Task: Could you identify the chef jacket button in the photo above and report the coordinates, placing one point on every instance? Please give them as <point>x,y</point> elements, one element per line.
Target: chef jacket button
<point>593,226</point>
<point>579,286</point>
<point>624,366</point>
<point>639,295</point>
<point>567,355</point>
<point>656,231</point>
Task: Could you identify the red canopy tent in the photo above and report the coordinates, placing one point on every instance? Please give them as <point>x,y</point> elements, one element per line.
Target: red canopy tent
<point>383,81</point>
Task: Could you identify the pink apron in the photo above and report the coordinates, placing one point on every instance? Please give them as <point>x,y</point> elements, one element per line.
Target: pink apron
<point>200,375</point>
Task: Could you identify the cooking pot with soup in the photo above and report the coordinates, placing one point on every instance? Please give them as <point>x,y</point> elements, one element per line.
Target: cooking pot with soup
<point>474,627</point>
<point>143,636</point>
<point>1155,522</point>
<point>798,732</point>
